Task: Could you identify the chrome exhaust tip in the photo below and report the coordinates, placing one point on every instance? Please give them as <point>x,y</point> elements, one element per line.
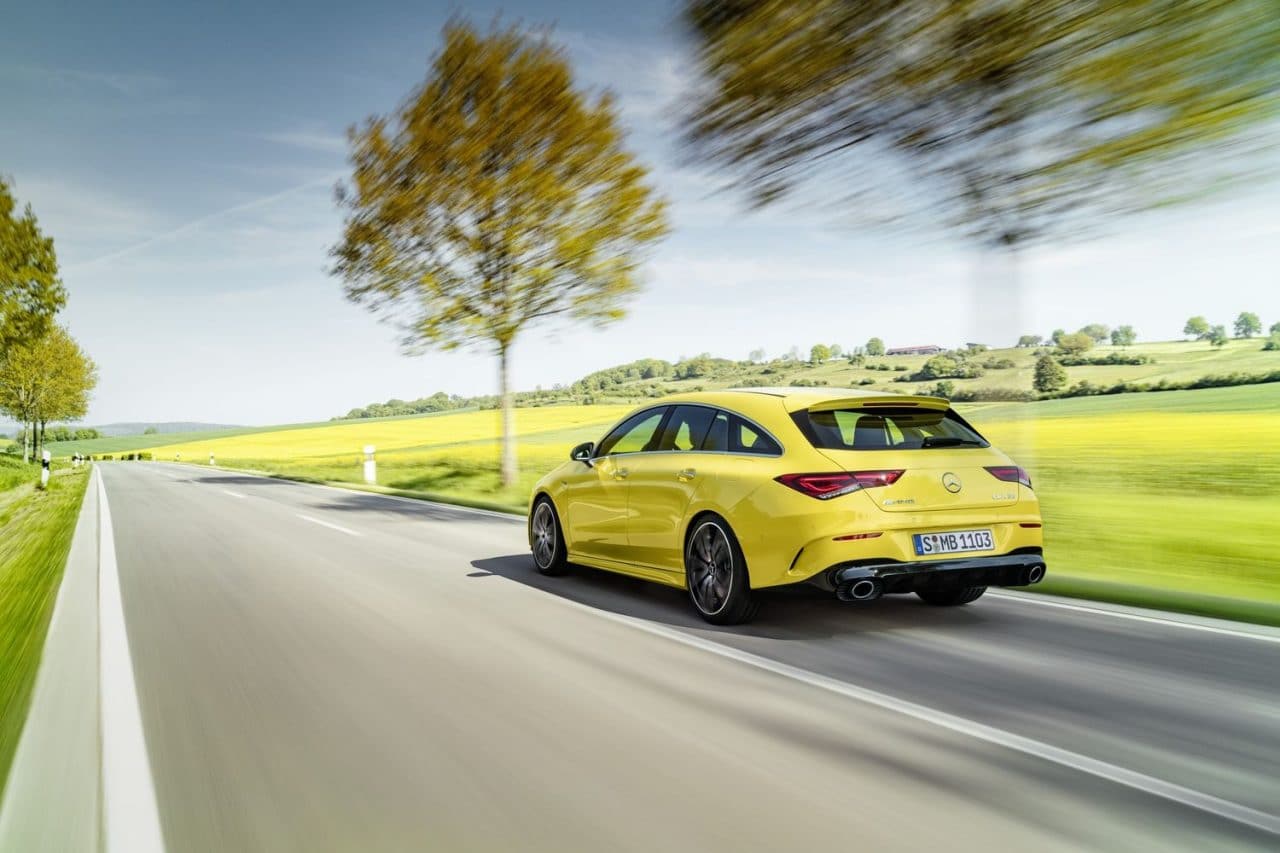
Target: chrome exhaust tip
<point>862,589</point>
<point>1035,574</point>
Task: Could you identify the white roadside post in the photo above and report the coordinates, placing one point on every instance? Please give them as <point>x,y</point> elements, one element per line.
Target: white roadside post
<point>45,458</point>
<point>370,467</point>
<point>211,462</point>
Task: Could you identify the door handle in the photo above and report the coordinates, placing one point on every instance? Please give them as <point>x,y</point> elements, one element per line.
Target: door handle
<point>621,474</point>
<point>686,475</point>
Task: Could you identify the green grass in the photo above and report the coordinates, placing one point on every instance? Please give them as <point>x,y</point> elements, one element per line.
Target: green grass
<point>35,536</point>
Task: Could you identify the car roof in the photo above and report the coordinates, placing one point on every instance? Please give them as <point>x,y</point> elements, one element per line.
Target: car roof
<point>796,398</point>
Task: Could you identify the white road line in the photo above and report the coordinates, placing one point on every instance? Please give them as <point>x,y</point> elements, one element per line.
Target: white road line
<point>131,821</point>
<point>1138,617</point>
<point>233,494</point>
<point>1113,773</point>
<point>337,527</point>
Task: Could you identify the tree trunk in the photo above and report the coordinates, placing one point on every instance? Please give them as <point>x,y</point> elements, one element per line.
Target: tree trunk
<point>42,426</point>
<point>509,471</point>
<point>26,443</point>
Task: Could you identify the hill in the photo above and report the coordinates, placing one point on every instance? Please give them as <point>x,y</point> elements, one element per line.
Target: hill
<point>121,429</point>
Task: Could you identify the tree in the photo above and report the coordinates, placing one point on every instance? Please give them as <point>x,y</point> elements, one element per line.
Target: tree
<point>45,380</point>
<point>1097,331</point>
<point>150,431</point>
<point>497,197</point>
<point>875,346</point>
<point>1030,341</point>
<point>1010,123</point>
<point>1197,327</point>
<point>1124,336</point>
<point>1056,336</point>
<point>30,291</point>
<point>836,350</point>
<point>1217,336</point>
<point>756,355</point>
<point>1247,325</point>
<point>1275,328</point>
<point>1273,340</point>
<point>1075,344</point>
<point>819,353</point>
<point>1049,376</point>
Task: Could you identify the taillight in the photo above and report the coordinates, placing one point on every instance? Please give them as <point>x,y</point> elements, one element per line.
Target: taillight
<point>833,485</point>
<point>1010,474</point>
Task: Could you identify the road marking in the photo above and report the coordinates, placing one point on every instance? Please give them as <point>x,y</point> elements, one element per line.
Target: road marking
<point>131,821</point>
<point>1113,773</point>
<point>337,527</point>
<point>233,494</point>
<point>1137,617</point>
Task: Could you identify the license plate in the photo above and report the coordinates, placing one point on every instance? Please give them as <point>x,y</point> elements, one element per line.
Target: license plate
<point>952,542</point>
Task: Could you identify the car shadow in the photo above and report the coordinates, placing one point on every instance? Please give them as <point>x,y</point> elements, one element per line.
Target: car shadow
<point>409,508</point>
<point>787,613</point>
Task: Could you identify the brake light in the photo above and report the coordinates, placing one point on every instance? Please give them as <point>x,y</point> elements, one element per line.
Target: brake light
<point>1010,474</point>
<point>832,485</point>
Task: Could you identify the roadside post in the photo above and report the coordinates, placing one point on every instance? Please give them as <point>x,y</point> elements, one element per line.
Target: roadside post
<point>370,466</point>
<point>45,458</point>
<point>177,457</point>
<point>211,462</point>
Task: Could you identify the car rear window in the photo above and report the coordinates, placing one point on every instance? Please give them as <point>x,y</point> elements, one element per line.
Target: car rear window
<point>904,428</point>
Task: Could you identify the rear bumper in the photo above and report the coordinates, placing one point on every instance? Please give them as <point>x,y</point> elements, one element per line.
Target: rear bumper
<point>1022,569</point>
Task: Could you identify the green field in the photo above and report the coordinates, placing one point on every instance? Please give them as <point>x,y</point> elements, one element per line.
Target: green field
<point>35,536</point>
<point>1172,492</point>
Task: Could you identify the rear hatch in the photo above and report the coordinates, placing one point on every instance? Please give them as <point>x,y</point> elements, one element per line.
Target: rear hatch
<point>935,459</point>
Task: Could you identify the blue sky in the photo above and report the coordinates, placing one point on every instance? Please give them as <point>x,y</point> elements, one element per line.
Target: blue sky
<point>184,155</point>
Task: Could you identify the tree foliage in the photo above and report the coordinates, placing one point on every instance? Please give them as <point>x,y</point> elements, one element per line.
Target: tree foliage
<point>1196,327</point>
<point>1030,341</point>
<point>875,346</point>
<point>1124,336</point>
<point>1217,336</point>
<point>30,290</point>
<point>1015,121</point>
<point>1247,325</point>
<point>1098,331</point>
<point>819,353</point>
<point>1074,344</point>
<point>497,196</point>
<point>49,379</point>
<point>1049,376</point>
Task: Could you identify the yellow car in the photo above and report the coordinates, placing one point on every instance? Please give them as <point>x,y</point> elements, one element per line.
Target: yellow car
<point>724,493</point>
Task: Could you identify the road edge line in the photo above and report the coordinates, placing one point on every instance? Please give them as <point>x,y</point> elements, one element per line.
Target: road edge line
<point>130,817</point>
<point>1150,785</point>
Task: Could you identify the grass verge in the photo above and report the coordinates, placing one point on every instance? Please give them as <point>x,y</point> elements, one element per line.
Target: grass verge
<point>35,536</point>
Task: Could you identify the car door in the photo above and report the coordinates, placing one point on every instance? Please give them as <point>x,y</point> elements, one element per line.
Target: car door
<point>660,486</point>
<point>596,496</point>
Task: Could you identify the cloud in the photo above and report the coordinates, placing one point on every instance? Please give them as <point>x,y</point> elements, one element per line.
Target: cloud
<point>129,84</point>
<point>310,140</point>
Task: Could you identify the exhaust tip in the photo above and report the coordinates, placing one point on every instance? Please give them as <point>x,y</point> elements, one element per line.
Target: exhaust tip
<point>863,589</point>
<point>1035,574</point>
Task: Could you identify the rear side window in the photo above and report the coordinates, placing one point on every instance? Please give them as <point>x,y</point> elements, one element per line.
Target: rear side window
<point>732,434</point>
<point>903,428</point>
<point>687,428</point>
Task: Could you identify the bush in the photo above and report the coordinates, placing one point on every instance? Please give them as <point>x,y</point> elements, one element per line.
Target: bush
<point>866,381</point>
<point>999,363</point>
<point>1273,343</point>
<point>1110,358</point>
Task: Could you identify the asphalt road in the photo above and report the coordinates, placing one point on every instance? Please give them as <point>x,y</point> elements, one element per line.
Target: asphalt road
<point>327,670</point>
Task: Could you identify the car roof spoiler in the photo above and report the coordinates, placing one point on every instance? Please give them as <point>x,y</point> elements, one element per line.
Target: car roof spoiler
<point>888,401</point>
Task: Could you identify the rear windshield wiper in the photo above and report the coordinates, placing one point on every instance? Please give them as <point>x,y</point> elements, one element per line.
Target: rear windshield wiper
<point>949,441</point>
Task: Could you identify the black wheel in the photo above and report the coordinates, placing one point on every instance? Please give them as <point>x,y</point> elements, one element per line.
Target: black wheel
<point>546,539</point>
<point>716,574</point>
<point>951,597</point>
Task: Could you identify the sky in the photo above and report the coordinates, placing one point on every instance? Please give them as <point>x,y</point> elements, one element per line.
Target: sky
<point>184,156</point>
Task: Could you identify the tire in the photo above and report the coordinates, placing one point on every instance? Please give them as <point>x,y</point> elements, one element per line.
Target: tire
<point>716,573</point>
<point>951,597</point>
<point>546,539</point>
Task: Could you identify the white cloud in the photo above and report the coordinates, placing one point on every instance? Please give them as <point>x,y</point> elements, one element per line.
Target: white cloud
<point>310,140</point>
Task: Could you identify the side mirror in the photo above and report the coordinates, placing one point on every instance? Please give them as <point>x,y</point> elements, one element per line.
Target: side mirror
<point>582,453</point>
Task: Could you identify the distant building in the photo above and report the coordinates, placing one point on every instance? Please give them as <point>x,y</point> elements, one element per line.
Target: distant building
<point>928,349</point>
